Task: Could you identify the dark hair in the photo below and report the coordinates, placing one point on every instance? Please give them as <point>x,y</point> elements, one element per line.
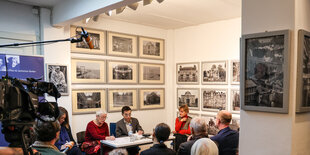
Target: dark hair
<point>125,108</point>
<point>162,132</point>
<point>63,111</point>
<point>46,131</point>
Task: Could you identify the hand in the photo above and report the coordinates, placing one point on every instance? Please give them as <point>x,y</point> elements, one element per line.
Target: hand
<point>140,132</point>
<point>174,132</point>
<point>183,119</point>
<point>110,138</point>
<point>189,137</point>
<point>69,144</point>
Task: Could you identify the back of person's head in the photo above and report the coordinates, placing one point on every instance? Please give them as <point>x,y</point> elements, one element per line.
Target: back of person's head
<point>162,132</point>
<point>46,131</point>
<point>125,108</point>
<point>225,117</point>
<point>204,146</point>
<point>118,152</point>
<point>184,107</point>
<point>199,125</point>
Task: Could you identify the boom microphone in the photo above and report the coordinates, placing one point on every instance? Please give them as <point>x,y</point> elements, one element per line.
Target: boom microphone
<point>87,38</point>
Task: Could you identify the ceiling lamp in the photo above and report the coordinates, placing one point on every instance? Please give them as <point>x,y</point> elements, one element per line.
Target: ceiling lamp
<point>133,6</point>
<point>120,10</point>
<point>146,2</point>
<point>109,13</point>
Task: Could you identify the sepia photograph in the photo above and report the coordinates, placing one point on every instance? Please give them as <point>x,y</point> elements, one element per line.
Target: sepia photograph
<point>88,101</point>
<point>117,98</point>
<point>151,73</point>
<point>235,124</point>
<point>152,98</point>
<point>235,71</point>
<point>266,68</point>
<point>97,39</point>
<point>122,45</point>
<point>235,100</point>
<point>151,48</point>
<point>58,75</point>
<point>214,99</point>
<point>187,73</point>
<point>88,71</point>
<point>189,96</point>
<point>214,72</point>
<point>212,128</point>
<point>122,72</point>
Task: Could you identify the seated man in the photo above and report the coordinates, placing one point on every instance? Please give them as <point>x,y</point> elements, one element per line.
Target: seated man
<point>226,139</point>
<point>199,130</point>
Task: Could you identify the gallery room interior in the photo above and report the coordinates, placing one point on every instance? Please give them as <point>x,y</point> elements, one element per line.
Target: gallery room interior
<point>202,36</point>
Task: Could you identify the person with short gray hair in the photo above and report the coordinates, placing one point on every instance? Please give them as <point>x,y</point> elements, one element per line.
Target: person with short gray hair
<point>204,146</point>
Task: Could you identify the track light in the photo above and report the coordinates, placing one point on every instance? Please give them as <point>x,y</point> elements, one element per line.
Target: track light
<point>159,1</point>
<point>133,6</point>
<point>85,21</point>
<point>109,13</point>
<point>146,2</point>
<point>120,10</point>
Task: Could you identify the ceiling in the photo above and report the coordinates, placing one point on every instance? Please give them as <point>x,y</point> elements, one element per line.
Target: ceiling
<point>170,14</point>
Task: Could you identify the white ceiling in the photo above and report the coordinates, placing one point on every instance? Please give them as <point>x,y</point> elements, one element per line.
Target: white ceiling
<point>170,14</point>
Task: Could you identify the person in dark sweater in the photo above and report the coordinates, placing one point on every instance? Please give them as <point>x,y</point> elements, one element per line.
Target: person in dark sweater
<point>160,135</point>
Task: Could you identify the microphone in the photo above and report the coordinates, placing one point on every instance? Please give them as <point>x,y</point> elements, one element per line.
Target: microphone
<point>68,147</point>
<point>87,38</point>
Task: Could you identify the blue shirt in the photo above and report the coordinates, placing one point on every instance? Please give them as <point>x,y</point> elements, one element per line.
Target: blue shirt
<point>63,137</point>
<point>227,141</point>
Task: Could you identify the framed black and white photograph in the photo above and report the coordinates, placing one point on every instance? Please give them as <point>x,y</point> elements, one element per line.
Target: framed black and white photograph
<point>88,101</point>
<point>187,73</point>
<point>117,98</point>
<point>122,72</point>
<point>120,44</point>
<point>266,67</point>
<point>97,39</point>
<point>151,48</point>
<point>87,71</point>
<point>214,72</point>
<point>189,96</point>
<point>151,73</point>
<point>152,98</point>
<point>58,75</point>
<point>211,122</point>
<point>235,100</point>
<point>214,99</point>
<point>235,71</point>
<point>235,124</point>
<point>303,72</point>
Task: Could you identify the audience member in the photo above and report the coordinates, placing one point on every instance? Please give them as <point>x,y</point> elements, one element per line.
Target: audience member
<point>118,152</point>
<point>204,146</point>
<point>160,135</point>
<point>65,137</point>
<point>199,130</point>
<point>227,139</point>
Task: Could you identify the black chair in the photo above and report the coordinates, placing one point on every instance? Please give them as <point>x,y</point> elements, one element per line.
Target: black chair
<point>80,138</point>
<point>179,138</point>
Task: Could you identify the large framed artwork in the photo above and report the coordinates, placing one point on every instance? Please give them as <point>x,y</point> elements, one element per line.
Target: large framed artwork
<point>211,120</point>
<point>151,73</point>
<point>303,72</point>
<point>190,97</point>
<point>87,71</point>
<point>122,72</point>
<point>97,39</point>
<point>88,100</point>
<point>122,45</point>
<point>214,72</point>
<point>151,48</point>
<point>187,73</point>
<point>152,98</point>
<point>235,71</point>
<point>117,98</point>
<point>266,67</point>
<point>235,100</point>
<point>214,99</point>
<point>58,75</point>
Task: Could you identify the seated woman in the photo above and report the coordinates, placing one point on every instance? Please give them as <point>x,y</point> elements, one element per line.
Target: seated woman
<point>65,136</point>
<point>160,135</point>
<point>204,146</point>
<point>97,130</point>
<point>182,126</point>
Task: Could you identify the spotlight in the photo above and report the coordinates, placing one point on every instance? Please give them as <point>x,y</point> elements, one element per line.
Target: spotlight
<point>86,20</point>
<point>95,18</point>
<point>109,13</point>
<point>120,10</point>
<point>146,2</point>
<point>133,6</point>
<point>159,1</point>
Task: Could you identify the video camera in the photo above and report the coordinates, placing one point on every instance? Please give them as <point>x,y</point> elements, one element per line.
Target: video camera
<point>20,107</point>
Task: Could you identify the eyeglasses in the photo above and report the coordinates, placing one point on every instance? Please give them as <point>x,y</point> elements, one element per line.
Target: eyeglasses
<point>127,115</point>
<point>103,117</point>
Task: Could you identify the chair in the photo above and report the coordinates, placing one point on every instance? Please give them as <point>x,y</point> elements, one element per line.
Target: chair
<point>112,129</point>
<point>80,138</point>
<point>179,138</point>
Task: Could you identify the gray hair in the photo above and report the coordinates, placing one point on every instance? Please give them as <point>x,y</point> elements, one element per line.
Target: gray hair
<point>204,146</point>
<point>100,112</point>
<point>199,125</point>
<point>118,152</point>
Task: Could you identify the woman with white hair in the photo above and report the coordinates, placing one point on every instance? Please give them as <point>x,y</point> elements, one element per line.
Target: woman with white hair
<point>97,130</point>
<point>204,146</point>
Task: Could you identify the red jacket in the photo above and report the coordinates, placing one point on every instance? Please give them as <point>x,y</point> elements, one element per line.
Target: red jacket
<point>94,132</point>
<point>179,125</point>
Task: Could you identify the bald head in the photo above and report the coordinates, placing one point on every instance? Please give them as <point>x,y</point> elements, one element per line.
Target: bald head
<point>224,116</point>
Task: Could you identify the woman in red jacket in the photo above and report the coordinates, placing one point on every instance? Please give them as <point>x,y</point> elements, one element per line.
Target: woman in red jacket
<point>182,122</point>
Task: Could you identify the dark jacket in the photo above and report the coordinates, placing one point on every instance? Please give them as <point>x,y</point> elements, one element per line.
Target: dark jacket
<point>121,129</point>
<point>185,148</point>
<point>227,141</point>
<point>158,149</point>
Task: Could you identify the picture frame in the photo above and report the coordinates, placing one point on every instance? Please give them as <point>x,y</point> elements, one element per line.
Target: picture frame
<point>266,67</point>
<point>187,73</point>
<point>151,48</point>
<point>235,124</point>
<point>122,72</point>
<point>151,73</point>
<point>97,39</point>
<point>214,99</point>
<point>303,72</point>
<point>235,100</point>
<point>214,72</point>
<point>190,97</point>
<point>58,75</point>
<point>88,71</point>
<point>117,98</point>
<point>120,44</point>
<point>235,72</point>
<point>211,123</point>
<point>152,98</point>
<point>85,101</point>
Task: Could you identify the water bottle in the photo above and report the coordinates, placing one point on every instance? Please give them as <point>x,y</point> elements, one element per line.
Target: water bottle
<point>130,133</point>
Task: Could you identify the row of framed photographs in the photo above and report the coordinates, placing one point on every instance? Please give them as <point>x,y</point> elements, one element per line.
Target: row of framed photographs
<point>116,72</point>
<point>212,72</point>
<point>212,99</point>
<point>119,44</point>
<point>112,100</point>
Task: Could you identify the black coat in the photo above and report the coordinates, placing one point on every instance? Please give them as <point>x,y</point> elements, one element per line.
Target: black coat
<point>158,149</point>
<point>185,148</point>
